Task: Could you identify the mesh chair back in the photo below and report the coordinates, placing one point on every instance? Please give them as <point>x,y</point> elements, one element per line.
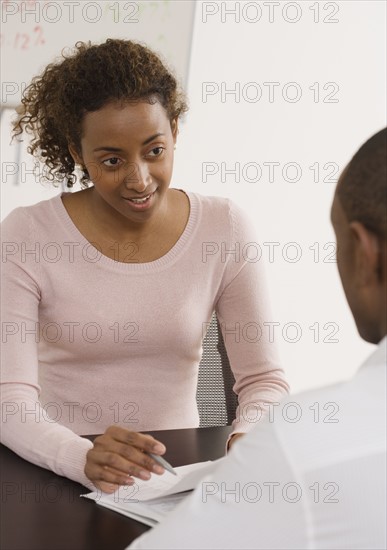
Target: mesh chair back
<point>216,400</point>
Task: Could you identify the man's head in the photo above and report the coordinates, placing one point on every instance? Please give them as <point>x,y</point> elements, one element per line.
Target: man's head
<point>359,218</point>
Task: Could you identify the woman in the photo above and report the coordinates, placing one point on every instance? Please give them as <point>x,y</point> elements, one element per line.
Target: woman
<point>107,290</point>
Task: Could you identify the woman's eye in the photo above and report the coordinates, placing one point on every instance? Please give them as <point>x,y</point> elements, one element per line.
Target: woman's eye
<point>157,151</point>
<point>113,161</point>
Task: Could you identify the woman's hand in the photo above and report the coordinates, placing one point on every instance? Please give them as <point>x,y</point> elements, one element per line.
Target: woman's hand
<point>119,455</point>
<point>233,438</point>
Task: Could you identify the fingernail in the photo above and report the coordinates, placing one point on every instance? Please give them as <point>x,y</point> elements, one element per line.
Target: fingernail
<point>144,474</point>
<point>159,448</point>
<point>157,469</point>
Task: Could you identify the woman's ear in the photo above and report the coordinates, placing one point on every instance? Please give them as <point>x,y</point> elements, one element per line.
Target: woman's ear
<point>74,153</point>
<point>175,129</point>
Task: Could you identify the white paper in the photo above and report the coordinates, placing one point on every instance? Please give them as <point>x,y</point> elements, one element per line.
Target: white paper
<point>149,513</point>
<point>150,501</point>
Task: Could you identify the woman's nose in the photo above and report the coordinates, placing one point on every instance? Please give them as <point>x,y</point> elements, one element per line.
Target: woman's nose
<point>138,177</point>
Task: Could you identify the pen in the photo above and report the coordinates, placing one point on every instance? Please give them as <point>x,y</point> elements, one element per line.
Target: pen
<point>160,460</point>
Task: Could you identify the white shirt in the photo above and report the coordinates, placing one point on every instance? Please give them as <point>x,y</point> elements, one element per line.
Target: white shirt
<point>311,475</point>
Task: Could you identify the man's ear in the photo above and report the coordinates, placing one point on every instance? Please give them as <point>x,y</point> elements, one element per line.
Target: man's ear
<point>76,156</point>
<point>367,253</point>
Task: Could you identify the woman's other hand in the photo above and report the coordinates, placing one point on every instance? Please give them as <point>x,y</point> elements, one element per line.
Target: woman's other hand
<point>234,438</point>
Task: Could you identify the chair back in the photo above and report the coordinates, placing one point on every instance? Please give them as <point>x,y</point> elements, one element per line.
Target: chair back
<point>216,400</point>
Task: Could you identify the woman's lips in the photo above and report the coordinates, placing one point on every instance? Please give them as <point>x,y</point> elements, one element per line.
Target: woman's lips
<point>140,203</point>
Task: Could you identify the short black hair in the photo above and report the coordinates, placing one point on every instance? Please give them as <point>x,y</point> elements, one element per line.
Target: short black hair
<point>363,185</point>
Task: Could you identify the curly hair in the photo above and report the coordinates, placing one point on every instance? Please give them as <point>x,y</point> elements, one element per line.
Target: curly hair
<point>53,105</point>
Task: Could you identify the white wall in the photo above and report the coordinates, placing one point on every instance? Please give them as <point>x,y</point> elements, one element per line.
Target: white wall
<point>350,54</point>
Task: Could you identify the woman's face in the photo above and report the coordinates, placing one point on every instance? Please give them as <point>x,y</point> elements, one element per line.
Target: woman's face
<point>128,152</point>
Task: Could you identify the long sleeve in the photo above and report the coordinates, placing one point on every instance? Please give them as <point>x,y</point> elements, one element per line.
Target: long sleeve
<point>243,311</point>
<point>27,427</point>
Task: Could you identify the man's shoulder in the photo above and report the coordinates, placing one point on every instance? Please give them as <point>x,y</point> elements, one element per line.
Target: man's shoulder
<point>333,423</point>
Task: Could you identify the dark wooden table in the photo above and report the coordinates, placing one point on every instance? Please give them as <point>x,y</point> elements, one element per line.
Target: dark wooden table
<point>43,511</point>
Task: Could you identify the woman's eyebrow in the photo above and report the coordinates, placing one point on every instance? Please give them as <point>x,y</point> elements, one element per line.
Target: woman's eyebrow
<point>118,150</point>
<point>106,148</point>
<point>152,138</point>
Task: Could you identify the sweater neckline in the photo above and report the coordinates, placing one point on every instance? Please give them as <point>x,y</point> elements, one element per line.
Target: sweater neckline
<point>167,259</point>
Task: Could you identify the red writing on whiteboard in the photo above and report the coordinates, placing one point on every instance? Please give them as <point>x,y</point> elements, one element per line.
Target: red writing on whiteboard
<point>24,40</point>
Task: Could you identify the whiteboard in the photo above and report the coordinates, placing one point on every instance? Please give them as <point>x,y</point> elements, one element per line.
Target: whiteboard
<point>35,32</point>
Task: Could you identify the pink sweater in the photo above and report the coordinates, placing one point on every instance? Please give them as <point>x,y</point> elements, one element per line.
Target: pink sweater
<point>89,341</point>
